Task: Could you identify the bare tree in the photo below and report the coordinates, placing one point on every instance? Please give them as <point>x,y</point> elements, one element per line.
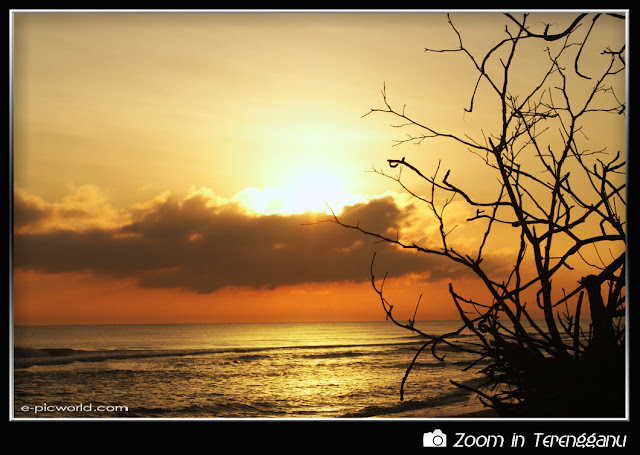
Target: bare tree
<point>542,349</point>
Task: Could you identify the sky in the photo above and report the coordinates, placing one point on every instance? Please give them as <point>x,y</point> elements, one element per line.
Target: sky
<point>171,167</point>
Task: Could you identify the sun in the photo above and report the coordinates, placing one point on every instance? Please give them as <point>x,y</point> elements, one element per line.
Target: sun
<point>308,191</point>
<point>315,191</point>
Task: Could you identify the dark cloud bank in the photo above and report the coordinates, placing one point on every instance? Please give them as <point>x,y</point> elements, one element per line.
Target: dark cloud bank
<point>187,245</point>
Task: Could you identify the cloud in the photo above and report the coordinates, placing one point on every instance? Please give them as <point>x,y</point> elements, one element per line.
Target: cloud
<point>202,245</point>
<point>85,208</point>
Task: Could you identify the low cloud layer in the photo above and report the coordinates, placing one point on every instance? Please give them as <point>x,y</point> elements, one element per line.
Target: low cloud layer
<point>198,246</point>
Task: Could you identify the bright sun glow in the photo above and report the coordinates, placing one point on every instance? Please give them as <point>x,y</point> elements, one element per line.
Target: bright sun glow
<point>310,192</point>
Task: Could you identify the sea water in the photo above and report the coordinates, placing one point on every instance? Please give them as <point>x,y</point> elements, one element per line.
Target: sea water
<point>236,371</point>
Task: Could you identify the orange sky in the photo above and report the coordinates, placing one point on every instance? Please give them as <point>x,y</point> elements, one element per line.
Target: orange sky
<point>166,165</point>
<point>78,298</point>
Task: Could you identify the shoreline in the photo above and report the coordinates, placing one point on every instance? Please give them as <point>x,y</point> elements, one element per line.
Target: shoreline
<point>444,412</point>
<point>478,414</point>
<point>483,413</point>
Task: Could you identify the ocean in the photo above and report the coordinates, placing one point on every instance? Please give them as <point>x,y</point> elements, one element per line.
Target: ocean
<point>346,370</point>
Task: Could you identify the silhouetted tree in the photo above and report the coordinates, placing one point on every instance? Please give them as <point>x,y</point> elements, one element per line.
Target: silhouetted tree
<point>564,202</point>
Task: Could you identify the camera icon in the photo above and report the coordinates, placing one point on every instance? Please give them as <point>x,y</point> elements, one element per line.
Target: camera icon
<point>434,439</point>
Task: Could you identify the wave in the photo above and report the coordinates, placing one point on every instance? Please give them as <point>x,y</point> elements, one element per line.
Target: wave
<point>449,399</point>
<point>26,357</point>
<point>19,352</point>
<point>228,409</point>
<point>431,365</point>
<point>335,355</point>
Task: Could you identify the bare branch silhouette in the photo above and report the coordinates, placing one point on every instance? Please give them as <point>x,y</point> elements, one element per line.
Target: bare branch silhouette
<point>561,200</point>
